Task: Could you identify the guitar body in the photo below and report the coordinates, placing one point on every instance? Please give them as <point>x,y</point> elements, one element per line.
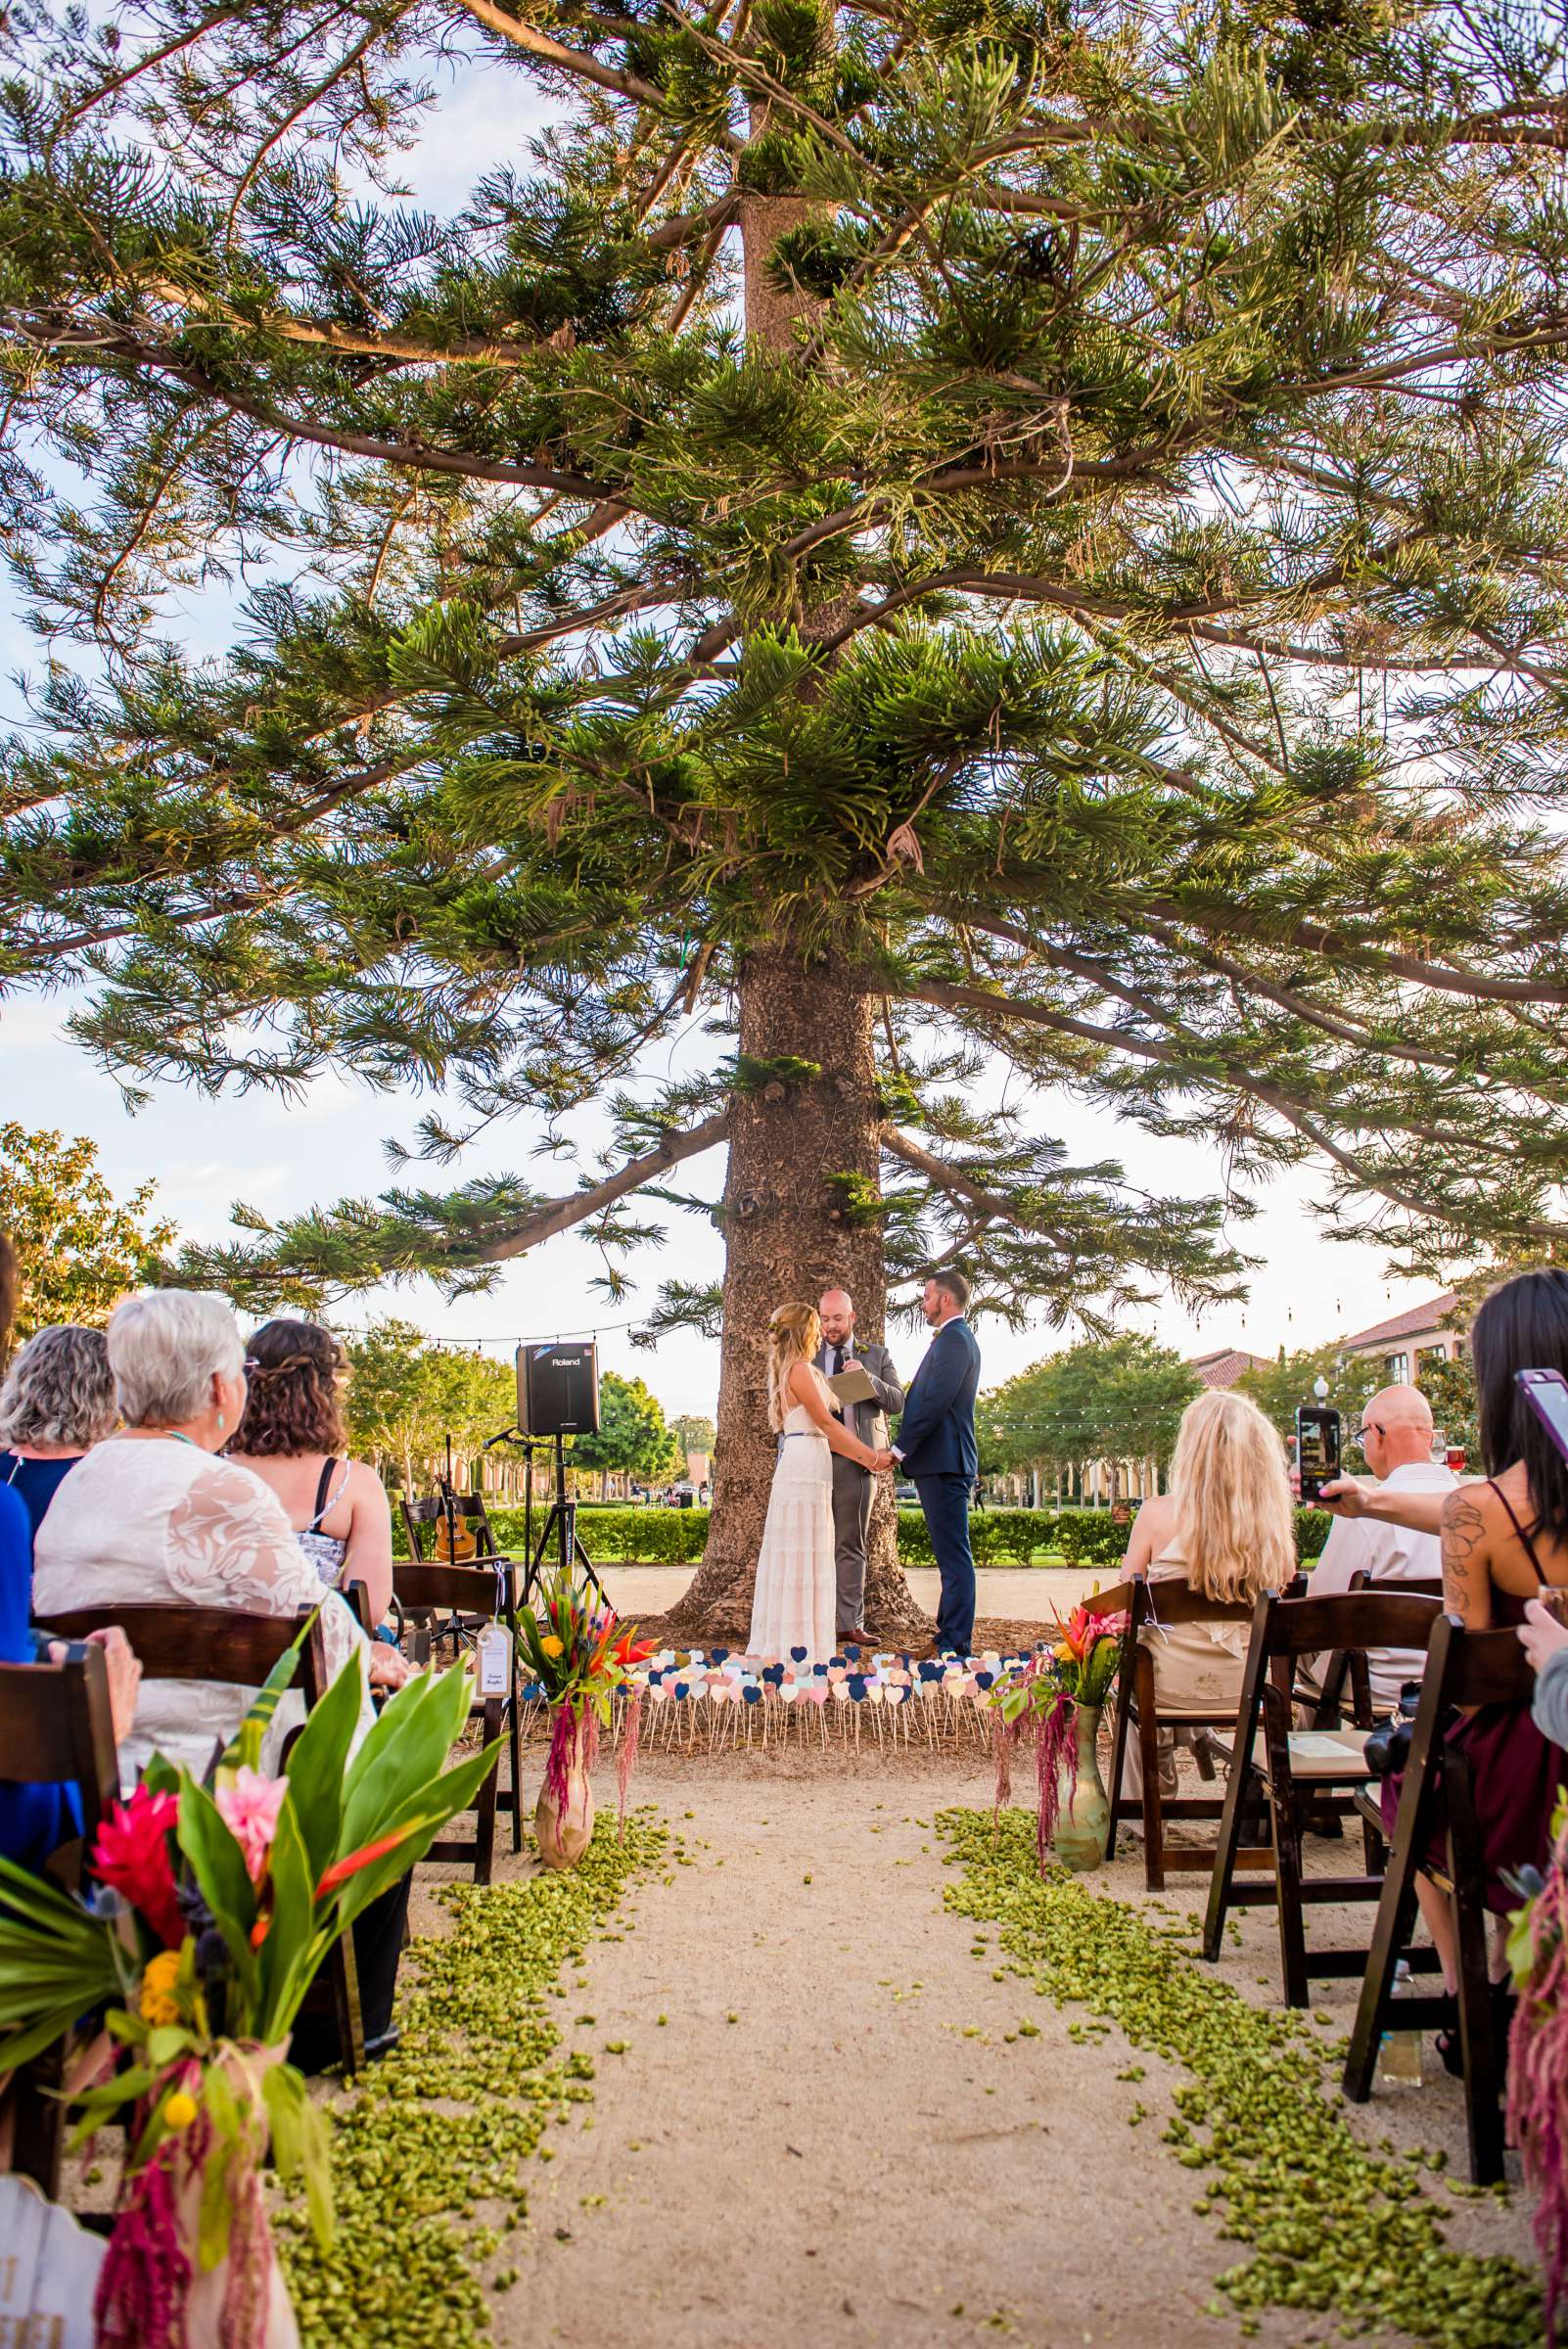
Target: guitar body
<point>456,1541</point>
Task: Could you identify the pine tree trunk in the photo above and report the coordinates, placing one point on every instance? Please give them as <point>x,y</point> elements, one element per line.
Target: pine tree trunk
<point>787,1228</point>
<point>789,1235</point>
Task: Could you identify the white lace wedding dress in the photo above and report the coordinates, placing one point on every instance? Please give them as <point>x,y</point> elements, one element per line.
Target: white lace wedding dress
<point>796,1599</point>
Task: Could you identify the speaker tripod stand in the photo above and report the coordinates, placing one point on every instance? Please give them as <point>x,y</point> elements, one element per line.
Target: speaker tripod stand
<point>561,1521</point>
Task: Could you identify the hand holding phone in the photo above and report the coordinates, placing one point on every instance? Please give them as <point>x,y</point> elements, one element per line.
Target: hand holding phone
<point>1318,1448</point>
<point>1546,1394</point>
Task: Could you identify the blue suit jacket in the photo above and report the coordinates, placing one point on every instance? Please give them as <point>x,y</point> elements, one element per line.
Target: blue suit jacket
<point>937,1434</point>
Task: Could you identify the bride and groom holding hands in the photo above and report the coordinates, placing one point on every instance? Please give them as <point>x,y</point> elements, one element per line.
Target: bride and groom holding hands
<point>810,1571</point>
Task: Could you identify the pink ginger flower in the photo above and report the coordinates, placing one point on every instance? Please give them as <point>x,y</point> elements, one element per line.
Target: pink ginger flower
<point>250,1809</point>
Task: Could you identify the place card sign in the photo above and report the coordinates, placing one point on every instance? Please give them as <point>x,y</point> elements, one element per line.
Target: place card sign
<point>48,2272</point>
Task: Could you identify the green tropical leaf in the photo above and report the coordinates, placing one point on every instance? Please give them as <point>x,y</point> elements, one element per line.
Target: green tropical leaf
<point>318,1763</point>
<point>219,1865</point>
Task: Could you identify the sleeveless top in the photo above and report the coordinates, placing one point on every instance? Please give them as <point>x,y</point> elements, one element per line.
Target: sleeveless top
<point>324,1551</point>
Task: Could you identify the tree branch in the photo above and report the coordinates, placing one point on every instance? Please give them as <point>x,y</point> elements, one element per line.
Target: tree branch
<point>560,1214</point>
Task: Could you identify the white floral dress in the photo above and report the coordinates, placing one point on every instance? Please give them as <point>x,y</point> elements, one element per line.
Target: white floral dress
<point>156,1521</point>
<point>796,1601</point>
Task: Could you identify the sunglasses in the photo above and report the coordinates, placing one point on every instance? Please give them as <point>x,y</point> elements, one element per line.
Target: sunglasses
<point>1368,1427</point>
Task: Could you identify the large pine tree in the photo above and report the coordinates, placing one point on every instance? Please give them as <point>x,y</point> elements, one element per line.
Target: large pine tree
<point>908,529</point>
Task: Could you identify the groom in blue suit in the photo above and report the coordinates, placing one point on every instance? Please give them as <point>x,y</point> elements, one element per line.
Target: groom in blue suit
<point>939,1453</point>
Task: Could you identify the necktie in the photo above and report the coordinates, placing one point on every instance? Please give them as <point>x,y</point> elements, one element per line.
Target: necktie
<point>836,1353</point>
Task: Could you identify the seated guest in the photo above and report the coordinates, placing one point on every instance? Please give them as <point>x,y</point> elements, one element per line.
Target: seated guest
<point>150,1516</point>
<point>36,1819</point>
<point>1225,1528</point>
<point>58,1401</point>
<point>1544,1640</point>
<point>292,1436</point>
<point>1396,1437</point>
<point>1504,1536</point>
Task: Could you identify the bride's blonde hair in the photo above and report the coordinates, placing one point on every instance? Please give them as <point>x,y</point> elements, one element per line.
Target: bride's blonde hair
<point>1234,1521</point>
<point>794,1335</point>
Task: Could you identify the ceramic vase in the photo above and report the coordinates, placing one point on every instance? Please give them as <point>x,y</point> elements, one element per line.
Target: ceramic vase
<point>563,1831</point>
<point>241,2302</point>
<point>1083,1821</point>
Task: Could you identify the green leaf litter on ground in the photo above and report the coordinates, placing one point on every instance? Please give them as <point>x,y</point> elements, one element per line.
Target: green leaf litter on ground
<point>442,2126</point>
<point>1332,2226</point>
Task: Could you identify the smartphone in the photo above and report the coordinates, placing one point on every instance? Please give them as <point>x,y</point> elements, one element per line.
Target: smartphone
<point>1317,1448</point>
<point>1546,1394</point>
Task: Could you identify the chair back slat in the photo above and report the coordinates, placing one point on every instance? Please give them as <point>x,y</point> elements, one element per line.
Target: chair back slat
<point>203,1643</point>
<point>1484,1668</point>
<point>57,1729</point>
<point>1383,1615</point>
<point>420,1584</point>
<point>1173,1600</point>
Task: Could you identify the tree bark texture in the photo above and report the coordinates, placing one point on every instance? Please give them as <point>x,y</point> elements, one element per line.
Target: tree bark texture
<point>789,1235</point>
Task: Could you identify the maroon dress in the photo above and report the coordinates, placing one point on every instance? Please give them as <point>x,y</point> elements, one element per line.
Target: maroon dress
<point>1517,1773</point>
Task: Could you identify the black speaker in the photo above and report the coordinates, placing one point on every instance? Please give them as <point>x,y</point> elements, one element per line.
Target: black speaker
<point>558,1389</point>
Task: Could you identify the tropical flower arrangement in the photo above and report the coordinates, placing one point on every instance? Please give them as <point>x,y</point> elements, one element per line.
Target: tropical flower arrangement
<point>1538,2054</point>
<point>210,1912</point>
<point>579,1656</point>
<point>1071,1675</point>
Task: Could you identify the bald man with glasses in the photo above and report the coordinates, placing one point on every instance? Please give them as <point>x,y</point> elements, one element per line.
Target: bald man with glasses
<point>1395,1436</point>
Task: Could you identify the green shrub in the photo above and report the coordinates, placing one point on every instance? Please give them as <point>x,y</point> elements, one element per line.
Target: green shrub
<point>610,1535</point>
<point>613,1536</point>
<point>1312,1528</point>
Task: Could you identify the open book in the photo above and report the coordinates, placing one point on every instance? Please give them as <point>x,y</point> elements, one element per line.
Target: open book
<point>852,1386</point>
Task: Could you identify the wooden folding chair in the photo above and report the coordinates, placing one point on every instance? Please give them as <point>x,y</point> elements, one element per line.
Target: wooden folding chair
<point>471,1596</point>
<point>1271,1760</point>
<point>220,1643</point>
<point>1345,1677</point>
<point>1463,1668</point>
<point>422,1517</point>
<point>56,1729</point>
<point>1153,1604</point>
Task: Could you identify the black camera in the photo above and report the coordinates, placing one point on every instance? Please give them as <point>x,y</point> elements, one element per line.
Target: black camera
<point>1388,1746</point>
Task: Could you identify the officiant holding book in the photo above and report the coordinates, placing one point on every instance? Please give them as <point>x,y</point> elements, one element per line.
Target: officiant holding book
<point>868,1386</point>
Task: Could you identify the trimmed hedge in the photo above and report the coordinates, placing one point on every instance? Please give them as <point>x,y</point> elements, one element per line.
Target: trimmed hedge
<point>999,1537</point>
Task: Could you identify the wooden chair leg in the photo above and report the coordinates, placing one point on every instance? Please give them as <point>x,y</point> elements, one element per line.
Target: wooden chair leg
<point>1223,1870</point>
<point>1396,1918</point>
<point>514,1747</point>
<point>38,2120</point>
<point>1149,1755</point>
<point>484,1808</point>
<point>1285,1827</point>
<point>344,1970</point>
<point>1483,2103</point>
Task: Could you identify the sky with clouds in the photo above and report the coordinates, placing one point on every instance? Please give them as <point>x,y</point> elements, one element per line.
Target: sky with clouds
<point>281,1156</point>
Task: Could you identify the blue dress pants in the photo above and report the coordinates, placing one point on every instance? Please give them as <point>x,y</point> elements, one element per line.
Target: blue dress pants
<point>946,1502</point>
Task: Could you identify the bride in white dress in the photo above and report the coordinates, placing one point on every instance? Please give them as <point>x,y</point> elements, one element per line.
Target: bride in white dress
<point>795,1597</point>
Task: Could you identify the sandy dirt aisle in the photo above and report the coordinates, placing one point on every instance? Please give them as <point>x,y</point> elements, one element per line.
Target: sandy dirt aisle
<point>834,2139</point>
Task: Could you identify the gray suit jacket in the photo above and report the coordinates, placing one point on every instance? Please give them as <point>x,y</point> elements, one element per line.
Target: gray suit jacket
<point>869,1420</point>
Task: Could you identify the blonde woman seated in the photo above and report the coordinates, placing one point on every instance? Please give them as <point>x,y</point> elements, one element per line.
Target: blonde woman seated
<point>795,1604</point>
<point>151,1517</point>
<point>1225,1528</point>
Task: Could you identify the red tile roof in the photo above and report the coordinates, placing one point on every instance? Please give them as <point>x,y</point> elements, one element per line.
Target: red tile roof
<point>1409,1324</point>
<point>1223,1367</point>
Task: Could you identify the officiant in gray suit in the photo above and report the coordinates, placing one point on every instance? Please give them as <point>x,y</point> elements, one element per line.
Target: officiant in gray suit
<point>854,1488</point>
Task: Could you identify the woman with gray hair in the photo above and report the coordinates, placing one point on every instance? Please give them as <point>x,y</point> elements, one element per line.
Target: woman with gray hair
<point>152,1515</point>
<point>58,1401</point>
